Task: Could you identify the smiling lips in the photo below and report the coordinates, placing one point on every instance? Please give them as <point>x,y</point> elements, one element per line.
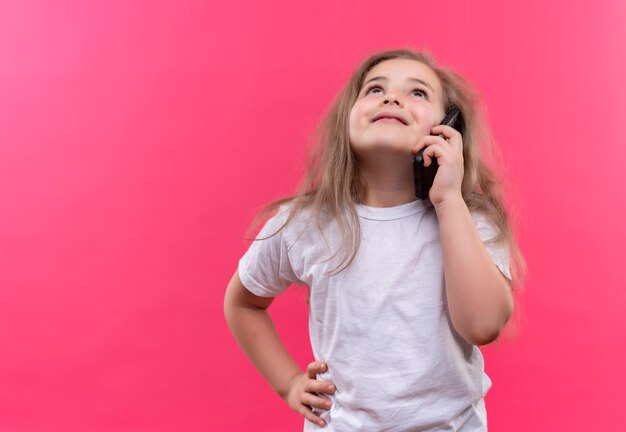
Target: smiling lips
<point>389,117</point>
<point>389,120</point>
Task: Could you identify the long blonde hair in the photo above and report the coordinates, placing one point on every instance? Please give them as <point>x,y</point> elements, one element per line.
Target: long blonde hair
<point>332,183</point>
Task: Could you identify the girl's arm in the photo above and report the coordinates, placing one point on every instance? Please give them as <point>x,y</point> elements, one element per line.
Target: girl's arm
<point>479,296</point>
<point>256,334</point>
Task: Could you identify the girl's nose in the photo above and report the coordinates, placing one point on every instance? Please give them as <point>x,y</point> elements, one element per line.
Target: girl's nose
<point>391,99</point>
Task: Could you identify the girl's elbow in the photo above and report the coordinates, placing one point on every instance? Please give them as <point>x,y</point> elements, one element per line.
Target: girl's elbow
<point>488,333</point>
<point>484,338</point>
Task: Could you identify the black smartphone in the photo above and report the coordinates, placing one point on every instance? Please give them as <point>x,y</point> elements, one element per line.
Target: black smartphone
<point>423,177</point>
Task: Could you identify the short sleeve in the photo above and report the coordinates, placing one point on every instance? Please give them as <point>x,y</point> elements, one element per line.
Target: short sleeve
<point>265,269</point>
<point>499,251</point>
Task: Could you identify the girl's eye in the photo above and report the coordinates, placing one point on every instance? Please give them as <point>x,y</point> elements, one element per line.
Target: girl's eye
<point>376,86</point>
<point>372,87</point>
<point>424,92</point>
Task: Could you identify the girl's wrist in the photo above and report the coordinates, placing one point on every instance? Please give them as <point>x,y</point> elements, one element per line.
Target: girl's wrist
<point>449,203</point>
<point>283,390</point>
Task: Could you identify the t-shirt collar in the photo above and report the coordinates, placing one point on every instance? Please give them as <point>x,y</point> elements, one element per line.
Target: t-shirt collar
<point>391,213</point>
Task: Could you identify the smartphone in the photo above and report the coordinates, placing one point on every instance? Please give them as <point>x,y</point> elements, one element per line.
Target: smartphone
<point>423,177</point>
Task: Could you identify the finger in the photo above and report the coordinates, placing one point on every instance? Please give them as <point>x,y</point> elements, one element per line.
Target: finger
<point>429,140</point>
<point>316,386</point>
<point>445,130</point>
<point>450,135</point>
<point>308,414</point>
<point>434,151</point>
<point>314,368</point>
<point>311,400</point>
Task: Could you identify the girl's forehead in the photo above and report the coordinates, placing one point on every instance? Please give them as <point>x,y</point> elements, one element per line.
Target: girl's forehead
<point>400,69</point>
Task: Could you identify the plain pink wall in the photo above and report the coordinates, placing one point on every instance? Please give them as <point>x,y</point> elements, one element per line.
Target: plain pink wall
<point>137,139</point>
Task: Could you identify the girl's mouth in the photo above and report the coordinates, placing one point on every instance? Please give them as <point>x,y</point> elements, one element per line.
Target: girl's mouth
<point>389,120</point>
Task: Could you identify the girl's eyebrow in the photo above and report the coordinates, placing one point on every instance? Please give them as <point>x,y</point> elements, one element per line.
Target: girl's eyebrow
<point>408,79</point>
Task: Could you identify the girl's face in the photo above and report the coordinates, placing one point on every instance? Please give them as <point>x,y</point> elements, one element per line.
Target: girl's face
<point>401,87</point>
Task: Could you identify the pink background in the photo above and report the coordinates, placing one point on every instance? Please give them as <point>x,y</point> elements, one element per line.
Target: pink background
<point>137,139</point>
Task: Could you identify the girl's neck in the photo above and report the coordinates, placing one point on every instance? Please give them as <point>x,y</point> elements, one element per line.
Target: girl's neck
<point>388,188</point>
<point>385,198</point>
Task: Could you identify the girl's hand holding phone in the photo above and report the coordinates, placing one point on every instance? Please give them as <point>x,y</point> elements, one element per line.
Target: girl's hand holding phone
<point>446,145</point>
<point>301,395</point>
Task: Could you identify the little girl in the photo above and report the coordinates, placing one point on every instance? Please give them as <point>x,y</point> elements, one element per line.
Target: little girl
<point>401,290</point>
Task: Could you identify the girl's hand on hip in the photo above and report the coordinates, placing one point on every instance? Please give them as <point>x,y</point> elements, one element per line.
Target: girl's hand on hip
<point>448,150</point>
<point>301,395</point>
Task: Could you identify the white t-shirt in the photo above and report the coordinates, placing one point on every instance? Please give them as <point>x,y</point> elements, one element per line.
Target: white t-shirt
<point>382,325</point>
